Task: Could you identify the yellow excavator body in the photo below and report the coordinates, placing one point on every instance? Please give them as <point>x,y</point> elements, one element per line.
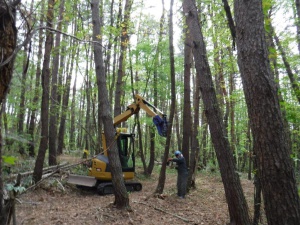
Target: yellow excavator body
<point>99,173</point>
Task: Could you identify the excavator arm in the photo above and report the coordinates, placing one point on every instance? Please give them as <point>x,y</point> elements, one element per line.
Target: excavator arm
<point>160,119</point>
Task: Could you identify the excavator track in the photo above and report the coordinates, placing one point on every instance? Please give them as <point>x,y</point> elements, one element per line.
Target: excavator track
<point>107,188</point>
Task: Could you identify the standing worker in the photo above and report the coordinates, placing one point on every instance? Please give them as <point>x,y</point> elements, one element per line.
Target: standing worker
<point>182,173</point>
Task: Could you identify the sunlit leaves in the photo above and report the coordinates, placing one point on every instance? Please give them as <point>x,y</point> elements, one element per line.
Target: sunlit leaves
<point>9,159</point>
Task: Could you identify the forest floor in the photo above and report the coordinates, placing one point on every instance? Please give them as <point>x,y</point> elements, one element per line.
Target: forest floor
<point>53,204</point>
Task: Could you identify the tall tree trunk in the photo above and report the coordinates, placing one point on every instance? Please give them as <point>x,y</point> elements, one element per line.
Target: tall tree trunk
<point>110,43</point>
<point>162,174</point>
<point>54,100</point>
<point>88,88</point>
<point>275,76</point>
<point>297,3</point>
<point>115,64</point>
<point>8,43</point>
<point>65,102</point>
<point>195,147</point>
<point>72,139</point>
<point>72,122</point>
<point>203,143</point>
<point>187,116</point>
<point>155,91</point>
<point>237,205</point>
<point>232,88</point>
<point>104,109</point>
<point>293,77</point>
<point>141,146</point>
<point>271,145</point>
<point>122,59</point>
<point>257,195</point>
<point>35,100</point>
<point>177,128</point>
<point>21,113</point>
<point>230,22</point>
<point>38,168</point>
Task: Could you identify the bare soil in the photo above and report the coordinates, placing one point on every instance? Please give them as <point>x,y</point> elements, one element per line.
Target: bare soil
<point>59,203</point>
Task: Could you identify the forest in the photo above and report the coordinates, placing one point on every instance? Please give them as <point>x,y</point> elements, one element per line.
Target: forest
<point>225,74</point>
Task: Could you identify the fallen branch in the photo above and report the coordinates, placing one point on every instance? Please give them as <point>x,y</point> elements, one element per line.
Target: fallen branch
<point>159,209</point>
<point>45,170</point>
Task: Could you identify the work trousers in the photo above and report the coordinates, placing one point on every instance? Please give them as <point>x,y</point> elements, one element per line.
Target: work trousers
<point>181,184</point>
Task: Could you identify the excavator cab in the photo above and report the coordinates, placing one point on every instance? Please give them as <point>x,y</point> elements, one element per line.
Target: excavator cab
<point>100,168</point>
<point>125,144</point>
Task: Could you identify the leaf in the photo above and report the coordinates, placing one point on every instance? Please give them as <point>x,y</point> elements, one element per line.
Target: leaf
<point>9,187</point>
<point>18,189</point>
<point>9,159</point>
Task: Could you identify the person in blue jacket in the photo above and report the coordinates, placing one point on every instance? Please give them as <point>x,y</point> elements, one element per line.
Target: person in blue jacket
<point>182,173</point>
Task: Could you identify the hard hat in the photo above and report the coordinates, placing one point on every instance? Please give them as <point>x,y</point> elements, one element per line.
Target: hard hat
<point>177,153</point>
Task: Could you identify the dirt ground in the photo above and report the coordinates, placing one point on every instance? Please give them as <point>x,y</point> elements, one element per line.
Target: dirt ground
<point>59,203</point>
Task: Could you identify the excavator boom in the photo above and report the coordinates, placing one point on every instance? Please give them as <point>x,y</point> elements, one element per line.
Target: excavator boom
<point>160,119</point>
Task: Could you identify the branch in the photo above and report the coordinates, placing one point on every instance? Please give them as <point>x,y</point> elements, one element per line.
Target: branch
<point>230,21</point>
<point>25,42</point>
<point>45,170</point>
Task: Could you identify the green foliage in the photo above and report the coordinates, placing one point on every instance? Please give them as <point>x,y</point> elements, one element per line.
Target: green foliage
<point>212,166</point>
<point>9,160</point>
<point>18,189</point>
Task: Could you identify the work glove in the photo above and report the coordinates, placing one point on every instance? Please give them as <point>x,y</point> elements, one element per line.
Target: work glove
<point>169,159</point>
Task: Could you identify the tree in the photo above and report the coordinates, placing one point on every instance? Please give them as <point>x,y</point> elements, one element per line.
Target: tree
<point>122,59</point>
<point>38,168</point>
<point>104,109</point>
<point>270,141</point>
<point>297,3</point>
<point>35,100</point>
<point>8,44</point>
<point>187,132</point>
<point>54,106</point>
<point>162,174</point>
<point>65,103</point>
<point>155,89</point>
<point>237,205</point>
<point>187,116</point>
<point>293,78</point>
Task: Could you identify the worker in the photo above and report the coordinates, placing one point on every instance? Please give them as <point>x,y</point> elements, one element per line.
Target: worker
<point>182,173</point>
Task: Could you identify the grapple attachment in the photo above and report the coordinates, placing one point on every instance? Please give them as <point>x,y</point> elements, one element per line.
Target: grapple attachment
<point>161,125</point>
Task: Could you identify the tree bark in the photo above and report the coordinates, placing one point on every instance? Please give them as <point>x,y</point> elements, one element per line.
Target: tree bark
<point>38,168</point>
<point>72,141</point>
<point>35,100</point>
<point>155,90</point>
<point>122,59</point>
<point>162,175</point>
<point>104,109</point>
<point>230,22</point>
<point>54,106</point>
<point>21,113</point>
<point>187,132</point>
<point>65,103</point>
<point>88,88</point>
<point>237,205</point>
<point>195,146</point>
<point>270,140</point>
<point>293,78</point>
<point>8,43</point>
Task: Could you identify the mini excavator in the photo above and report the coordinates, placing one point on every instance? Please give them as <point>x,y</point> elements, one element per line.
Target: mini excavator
<point>99,173</point>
